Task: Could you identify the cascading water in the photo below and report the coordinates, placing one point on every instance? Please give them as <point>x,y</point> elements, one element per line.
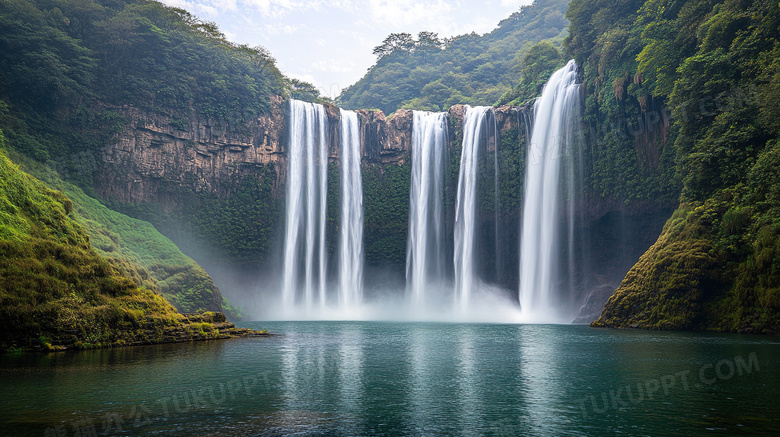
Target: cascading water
<point>549,150</point>
<point>475,138</point>
<point>425,246</point>
<point>351,237</point>
<point>307,174</point>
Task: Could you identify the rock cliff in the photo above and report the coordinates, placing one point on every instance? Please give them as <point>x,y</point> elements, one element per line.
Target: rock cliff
<point>155,154</point>
<point>161,161</point>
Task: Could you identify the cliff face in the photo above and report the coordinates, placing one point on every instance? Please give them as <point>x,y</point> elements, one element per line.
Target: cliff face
<point>154,162</point>
<point>154,152</point>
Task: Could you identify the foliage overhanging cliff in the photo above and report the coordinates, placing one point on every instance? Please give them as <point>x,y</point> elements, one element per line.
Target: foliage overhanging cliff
<point>701,77</point>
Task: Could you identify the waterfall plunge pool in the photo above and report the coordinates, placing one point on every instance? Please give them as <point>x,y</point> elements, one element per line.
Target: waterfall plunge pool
<point>397,379</point>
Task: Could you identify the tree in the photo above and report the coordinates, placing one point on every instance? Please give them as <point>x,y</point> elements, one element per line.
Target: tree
<point>301,90</point>
<point>428,40</point>
<point>258,55</point>
<point>395,41</point>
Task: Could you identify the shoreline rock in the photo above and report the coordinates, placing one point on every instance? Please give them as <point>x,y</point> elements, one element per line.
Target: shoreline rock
<point>193,327</point>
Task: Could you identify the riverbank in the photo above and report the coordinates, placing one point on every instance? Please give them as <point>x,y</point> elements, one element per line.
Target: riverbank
<point>192,327</point>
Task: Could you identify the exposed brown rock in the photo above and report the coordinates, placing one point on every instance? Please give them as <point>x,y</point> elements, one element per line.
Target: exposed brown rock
<point>155,153</point>
<point>206,156</point>
<point>385,140</point>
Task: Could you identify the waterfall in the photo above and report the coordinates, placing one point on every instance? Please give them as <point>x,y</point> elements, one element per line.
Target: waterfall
<point>307,174</point>
<point>425,244</point>
<point>549,151</point>
<point>475,129</point>
<point>351,236</point>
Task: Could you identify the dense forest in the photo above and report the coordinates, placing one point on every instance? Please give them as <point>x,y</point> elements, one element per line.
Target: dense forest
<point>66,65</point>
<point>695,82</point>
<point>431,73</point>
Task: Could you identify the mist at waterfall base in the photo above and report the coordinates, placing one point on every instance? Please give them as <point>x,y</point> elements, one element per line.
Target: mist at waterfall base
<point>446,278</point>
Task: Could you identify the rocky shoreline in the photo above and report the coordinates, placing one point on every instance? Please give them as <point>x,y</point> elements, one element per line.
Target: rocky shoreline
<point>193,327</point>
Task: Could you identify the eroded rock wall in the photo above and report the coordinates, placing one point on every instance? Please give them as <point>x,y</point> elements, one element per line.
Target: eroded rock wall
<point>155,154</point>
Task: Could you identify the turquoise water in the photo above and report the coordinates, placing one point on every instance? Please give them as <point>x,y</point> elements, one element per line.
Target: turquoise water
<point>394,379</point>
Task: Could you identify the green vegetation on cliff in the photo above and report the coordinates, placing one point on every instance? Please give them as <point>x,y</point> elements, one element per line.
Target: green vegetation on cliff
<point>716,266</point>
<point>54,288</point>
<point>66,64</point>
<point>386,212</point>
<point>428,73</point>
<point>240,227</point>
<point>715,64</point>
<point>626,127</point>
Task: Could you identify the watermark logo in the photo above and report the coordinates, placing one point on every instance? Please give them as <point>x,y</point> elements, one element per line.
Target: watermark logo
<point>635,393</point>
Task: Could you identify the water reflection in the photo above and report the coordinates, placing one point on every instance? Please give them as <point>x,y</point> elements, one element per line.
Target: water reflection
<point>355,378</point>
<point>422,366</point>
<point>350,373</point>
<point>468,379</point>
<point>539,372</point>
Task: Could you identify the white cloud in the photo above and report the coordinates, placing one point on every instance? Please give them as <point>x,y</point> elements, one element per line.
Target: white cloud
<point>408,13</point>
<point>332,65</point>
<point>267,8</point>
<point>327,42</point>
<point>203,9</point>
<point>280,28</point>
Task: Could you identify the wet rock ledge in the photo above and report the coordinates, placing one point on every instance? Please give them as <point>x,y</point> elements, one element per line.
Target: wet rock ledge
<point>190,327</point>
<point>206,326</point>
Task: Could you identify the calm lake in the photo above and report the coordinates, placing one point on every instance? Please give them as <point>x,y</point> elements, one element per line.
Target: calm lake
<point>397,379</point>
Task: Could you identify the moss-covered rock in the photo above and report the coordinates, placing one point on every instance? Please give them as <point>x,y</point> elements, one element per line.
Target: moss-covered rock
<point>56,291</point>
<point>716,266</point>
<point>665,289</point>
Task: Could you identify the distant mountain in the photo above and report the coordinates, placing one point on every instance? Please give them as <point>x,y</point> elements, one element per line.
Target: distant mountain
<point>426,72</point>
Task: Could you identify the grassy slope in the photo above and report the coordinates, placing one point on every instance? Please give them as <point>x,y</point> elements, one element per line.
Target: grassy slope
<point>160,263</point>
<point>54,288</point>
<point>138,249</point>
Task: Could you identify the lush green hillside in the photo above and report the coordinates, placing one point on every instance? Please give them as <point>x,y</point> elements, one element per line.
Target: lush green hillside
<point>694,83</point>
<point>148,257</point>
<point>54,288</point>
<point>155,261</point>
<point>426,72</point>
<point>63,63</point>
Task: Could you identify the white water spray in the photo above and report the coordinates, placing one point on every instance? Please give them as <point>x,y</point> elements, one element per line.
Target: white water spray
<point>425,245</point>
<point>351,237</point>
<point>549,150</point>
<point>307,174</point>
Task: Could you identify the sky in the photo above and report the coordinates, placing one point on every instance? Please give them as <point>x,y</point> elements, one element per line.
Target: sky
<point>329,43</point>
